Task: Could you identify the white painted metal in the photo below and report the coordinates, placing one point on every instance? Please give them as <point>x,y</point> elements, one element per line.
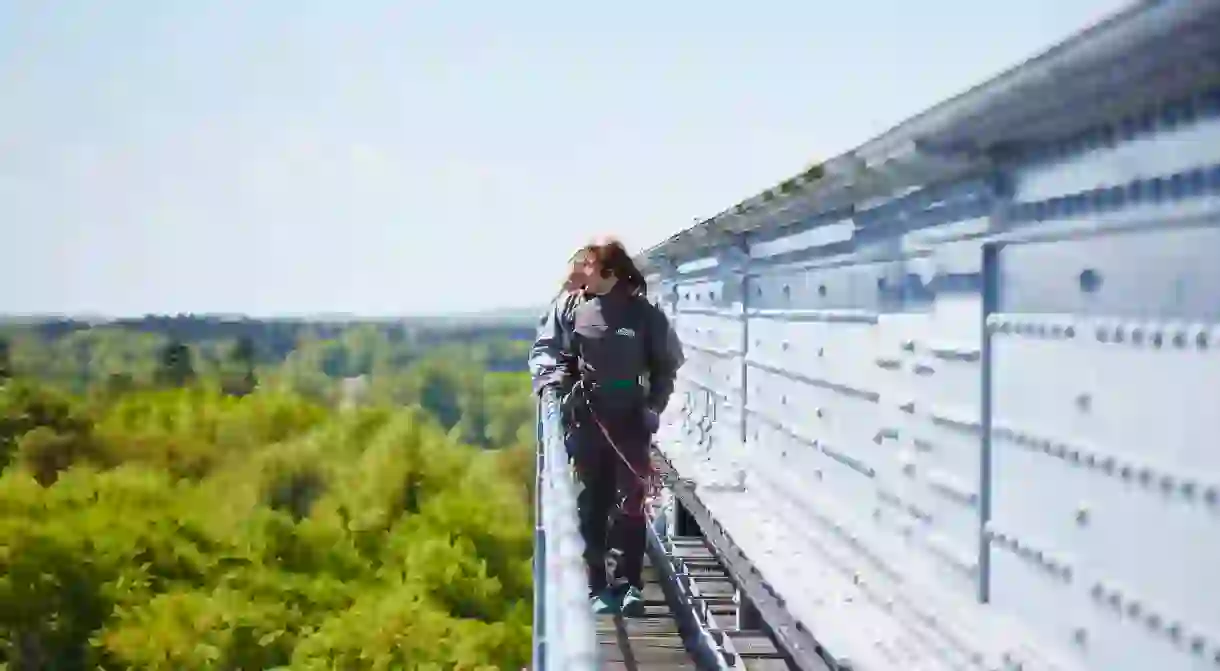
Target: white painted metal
<point>977,431</point>
<point>957,399</point>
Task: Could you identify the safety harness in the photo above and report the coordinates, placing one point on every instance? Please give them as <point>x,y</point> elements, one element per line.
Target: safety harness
<point>649,480</point>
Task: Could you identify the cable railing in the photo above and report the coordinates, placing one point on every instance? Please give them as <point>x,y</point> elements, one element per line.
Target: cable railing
<point>564,631</point>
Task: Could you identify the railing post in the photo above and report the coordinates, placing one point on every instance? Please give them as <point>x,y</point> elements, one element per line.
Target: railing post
<point>990,299</point>
<point>733,261</point>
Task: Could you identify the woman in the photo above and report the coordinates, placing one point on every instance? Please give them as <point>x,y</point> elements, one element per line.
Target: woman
<point>600,338</point>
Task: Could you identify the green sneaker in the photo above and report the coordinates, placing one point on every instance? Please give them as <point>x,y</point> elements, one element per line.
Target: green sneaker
<point>604,602</point>
<point>632,603</point>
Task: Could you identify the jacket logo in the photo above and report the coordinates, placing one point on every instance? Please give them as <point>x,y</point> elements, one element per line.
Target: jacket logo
<point>625,332</point>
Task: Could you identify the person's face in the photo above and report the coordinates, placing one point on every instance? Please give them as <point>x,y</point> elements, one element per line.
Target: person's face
<point>585,272</point>
<point>580,272</point>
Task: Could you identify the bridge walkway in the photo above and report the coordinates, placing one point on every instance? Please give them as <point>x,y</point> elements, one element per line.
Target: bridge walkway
<point>653,641</point>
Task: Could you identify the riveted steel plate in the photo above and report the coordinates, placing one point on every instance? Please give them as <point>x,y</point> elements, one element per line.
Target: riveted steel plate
<point>1105,477</point>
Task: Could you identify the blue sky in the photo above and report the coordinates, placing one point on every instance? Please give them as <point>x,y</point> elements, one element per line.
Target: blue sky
<point>379,158</point>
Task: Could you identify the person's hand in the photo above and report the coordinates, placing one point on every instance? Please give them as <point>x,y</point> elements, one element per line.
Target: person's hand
<point>578,274</point>
<point>571,400</point>
<point>652,420</point>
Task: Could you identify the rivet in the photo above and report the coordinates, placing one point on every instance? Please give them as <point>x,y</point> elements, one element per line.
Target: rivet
<point>1082,515</point>
<point>1201,340</point>
<point>1125,472</point>
<point>1187,488</point>
<point>1084,402</point>
<point>1134,609</point>
<point>1157,339</point>
<point>1070,331</point>
<point>1167,483</point>
<point>1097,592</point>
<point>1102,334</point>
<point>1153,621</point>
<point>1089,280</point>
<point>1210,496</point>
<point>1118,334</point>
<point>1057,331</point>
<point>1137,336</point>
<point>1145,476</point>
<point>1174,632</point>
<point>1197,644</point>
<point>1107,465</point>
<point>1179,340</point>
<point>1080,636</point>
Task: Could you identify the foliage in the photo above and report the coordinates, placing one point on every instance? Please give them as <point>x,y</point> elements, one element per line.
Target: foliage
<point>152,518</point>
<point>6,360</point>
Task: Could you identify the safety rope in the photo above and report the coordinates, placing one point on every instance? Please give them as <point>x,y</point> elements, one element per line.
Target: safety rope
<point>649,481</point>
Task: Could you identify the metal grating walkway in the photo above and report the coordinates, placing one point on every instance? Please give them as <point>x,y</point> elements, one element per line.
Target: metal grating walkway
<point>652,641</point>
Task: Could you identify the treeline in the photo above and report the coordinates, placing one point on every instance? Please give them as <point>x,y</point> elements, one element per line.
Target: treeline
<point>358,502</point>
<point>278,337</point>
<point>462,372</point>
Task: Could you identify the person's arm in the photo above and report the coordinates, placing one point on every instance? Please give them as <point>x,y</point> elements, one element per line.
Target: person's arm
<point>550,359</point>
<point>665,357</point>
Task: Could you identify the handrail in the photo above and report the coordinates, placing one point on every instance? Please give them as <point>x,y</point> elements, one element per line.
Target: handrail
<point>564,631</point>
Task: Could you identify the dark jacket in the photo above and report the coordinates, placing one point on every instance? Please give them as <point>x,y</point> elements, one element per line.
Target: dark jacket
<point>607,340</point>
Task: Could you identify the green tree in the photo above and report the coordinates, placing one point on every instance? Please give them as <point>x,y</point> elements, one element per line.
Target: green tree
<point>6,360</point>
<point>176,367</point>
<point>177,526</point>
<point>239,376</point>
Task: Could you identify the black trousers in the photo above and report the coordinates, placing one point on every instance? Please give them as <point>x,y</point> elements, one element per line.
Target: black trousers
<point>611,502</point>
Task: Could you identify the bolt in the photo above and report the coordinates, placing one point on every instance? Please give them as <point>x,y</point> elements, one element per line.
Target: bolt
<point>1082,515</point>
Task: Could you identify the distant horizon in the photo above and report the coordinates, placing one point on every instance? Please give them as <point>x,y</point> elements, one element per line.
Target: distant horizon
<point>287,316</point>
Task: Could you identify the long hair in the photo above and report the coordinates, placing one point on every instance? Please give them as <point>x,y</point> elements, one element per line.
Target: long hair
<point>613,259</point>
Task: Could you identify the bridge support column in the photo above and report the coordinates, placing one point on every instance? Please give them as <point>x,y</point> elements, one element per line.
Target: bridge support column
<point>748,617</point>
<point>684,522</point>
